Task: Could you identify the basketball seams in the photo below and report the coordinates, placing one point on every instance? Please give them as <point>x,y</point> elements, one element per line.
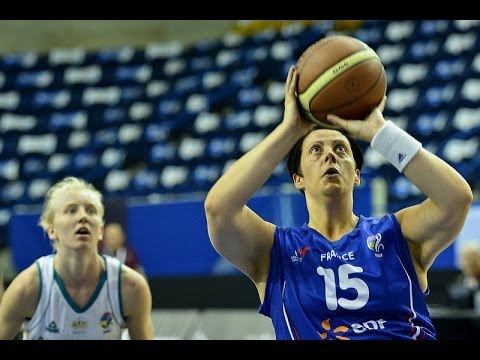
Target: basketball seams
<point>331,73</point>
<point>339,74</point>
<point>306,55</point>
<point>347,104</point>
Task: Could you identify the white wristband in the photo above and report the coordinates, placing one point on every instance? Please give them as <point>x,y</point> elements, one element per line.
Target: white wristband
<point>398,146</point>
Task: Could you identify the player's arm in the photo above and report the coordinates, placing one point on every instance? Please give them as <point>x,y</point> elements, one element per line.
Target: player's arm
<point>432,225</point>
<point>236,232</point>
<point>137,305</point>
<point>435,223</point>
<point>19,302</point>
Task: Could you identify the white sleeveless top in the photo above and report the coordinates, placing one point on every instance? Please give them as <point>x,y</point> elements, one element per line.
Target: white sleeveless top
<point>57,317</point>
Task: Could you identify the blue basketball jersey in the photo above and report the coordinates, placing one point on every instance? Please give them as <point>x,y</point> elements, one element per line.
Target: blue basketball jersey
<point>362,286</point>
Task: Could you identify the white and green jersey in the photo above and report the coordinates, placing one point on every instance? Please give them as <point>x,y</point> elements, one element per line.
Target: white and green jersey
<point>57,317</point>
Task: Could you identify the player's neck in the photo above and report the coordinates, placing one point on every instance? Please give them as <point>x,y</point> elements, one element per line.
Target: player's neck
<point>79,269</point>
<point>332,227</point>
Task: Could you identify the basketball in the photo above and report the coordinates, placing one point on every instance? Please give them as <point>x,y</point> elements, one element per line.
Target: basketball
<point>339,75</point>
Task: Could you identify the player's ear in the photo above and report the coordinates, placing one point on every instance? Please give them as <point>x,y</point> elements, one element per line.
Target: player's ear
<point>357,177</point>
<point>298,181</point>
<point>52,234</point>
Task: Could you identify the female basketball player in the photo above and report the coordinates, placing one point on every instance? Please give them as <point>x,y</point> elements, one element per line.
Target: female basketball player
<point>76,293</point>
<point>340,275</point>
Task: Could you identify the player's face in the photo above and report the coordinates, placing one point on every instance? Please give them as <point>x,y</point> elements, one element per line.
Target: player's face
<point>77,222</point>
<point>327,163</point>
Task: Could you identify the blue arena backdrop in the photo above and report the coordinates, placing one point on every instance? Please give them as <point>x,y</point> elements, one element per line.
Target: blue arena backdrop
<point>172,239</point>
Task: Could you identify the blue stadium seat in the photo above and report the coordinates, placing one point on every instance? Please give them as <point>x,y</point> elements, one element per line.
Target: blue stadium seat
<point>391,53</point>
<point>370,34</point>
<point>200,64</point>
<point>411,74</point>
<point>144,182</point>
<point>116,182</point>
<point>12,192</point>
<point>51,99</point>
<point>228,59</point>
<point>204,175</point>
<point>458,43</point>
<point>58,163</point>
<point>120,55</point>
<point>222,147</point>
<point>467,119</point>
<point>156,132</point>
<point>238,121</point>
<point>431,28</point>
<point>399,31</point>
<point>446,69</point>
<point>20,61</point>
<point>267,116</point>
<point>206,122</point>
<point>9,169</point>
<point>44,144</point>
<point>471,90</point>
<point>131,93</point>
<point>33,167</point>
<point>221,97</point>
<point>250,139</point>
<point>109,96</point>
<point>436,96</point>
<point>36,191</point>
<point>175,178</point>
<point>82,161</point>
<point>422,50</point>
<point>67,56</point>
<point>70,120</point>
<point>249,97</point>
<point>430,124</point>
<point>162,153</point>
<point>191,149</point>
<point>35,79</point>
<point>196,103</point>
<point>139,74</point>
<point>185,86</point>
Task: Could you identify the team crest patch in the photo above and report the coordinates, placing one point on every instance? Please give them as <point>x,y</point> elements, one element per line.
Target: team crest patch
<point>106,320</point>
<point>374,243</point>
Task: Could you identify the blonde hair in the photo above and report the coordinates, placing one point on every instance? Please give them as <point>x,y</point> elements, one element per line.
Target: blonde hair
<point>46,219</point>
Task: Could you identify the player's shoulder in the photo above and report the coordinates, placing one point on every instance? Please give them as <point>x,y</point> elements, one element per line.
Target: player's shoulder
<point>27,282</point>
<point>377,220</point>
<point>131,278</point>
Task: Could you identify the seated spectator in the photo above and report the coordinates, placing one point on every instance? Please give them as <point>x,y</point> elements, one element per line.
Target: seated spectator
<point>115,244</point>
<point>464,293</point>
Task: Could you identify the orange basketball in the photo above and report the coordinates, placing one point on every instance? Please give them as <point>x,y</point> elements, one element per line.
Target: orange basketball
<point>339,75</point>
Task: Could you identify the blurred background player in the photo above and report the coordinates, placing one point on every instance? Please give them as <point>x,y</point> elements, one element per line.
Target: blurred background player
<point>76,293</point>
<point>464,293</point>
<point>115,244</point>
